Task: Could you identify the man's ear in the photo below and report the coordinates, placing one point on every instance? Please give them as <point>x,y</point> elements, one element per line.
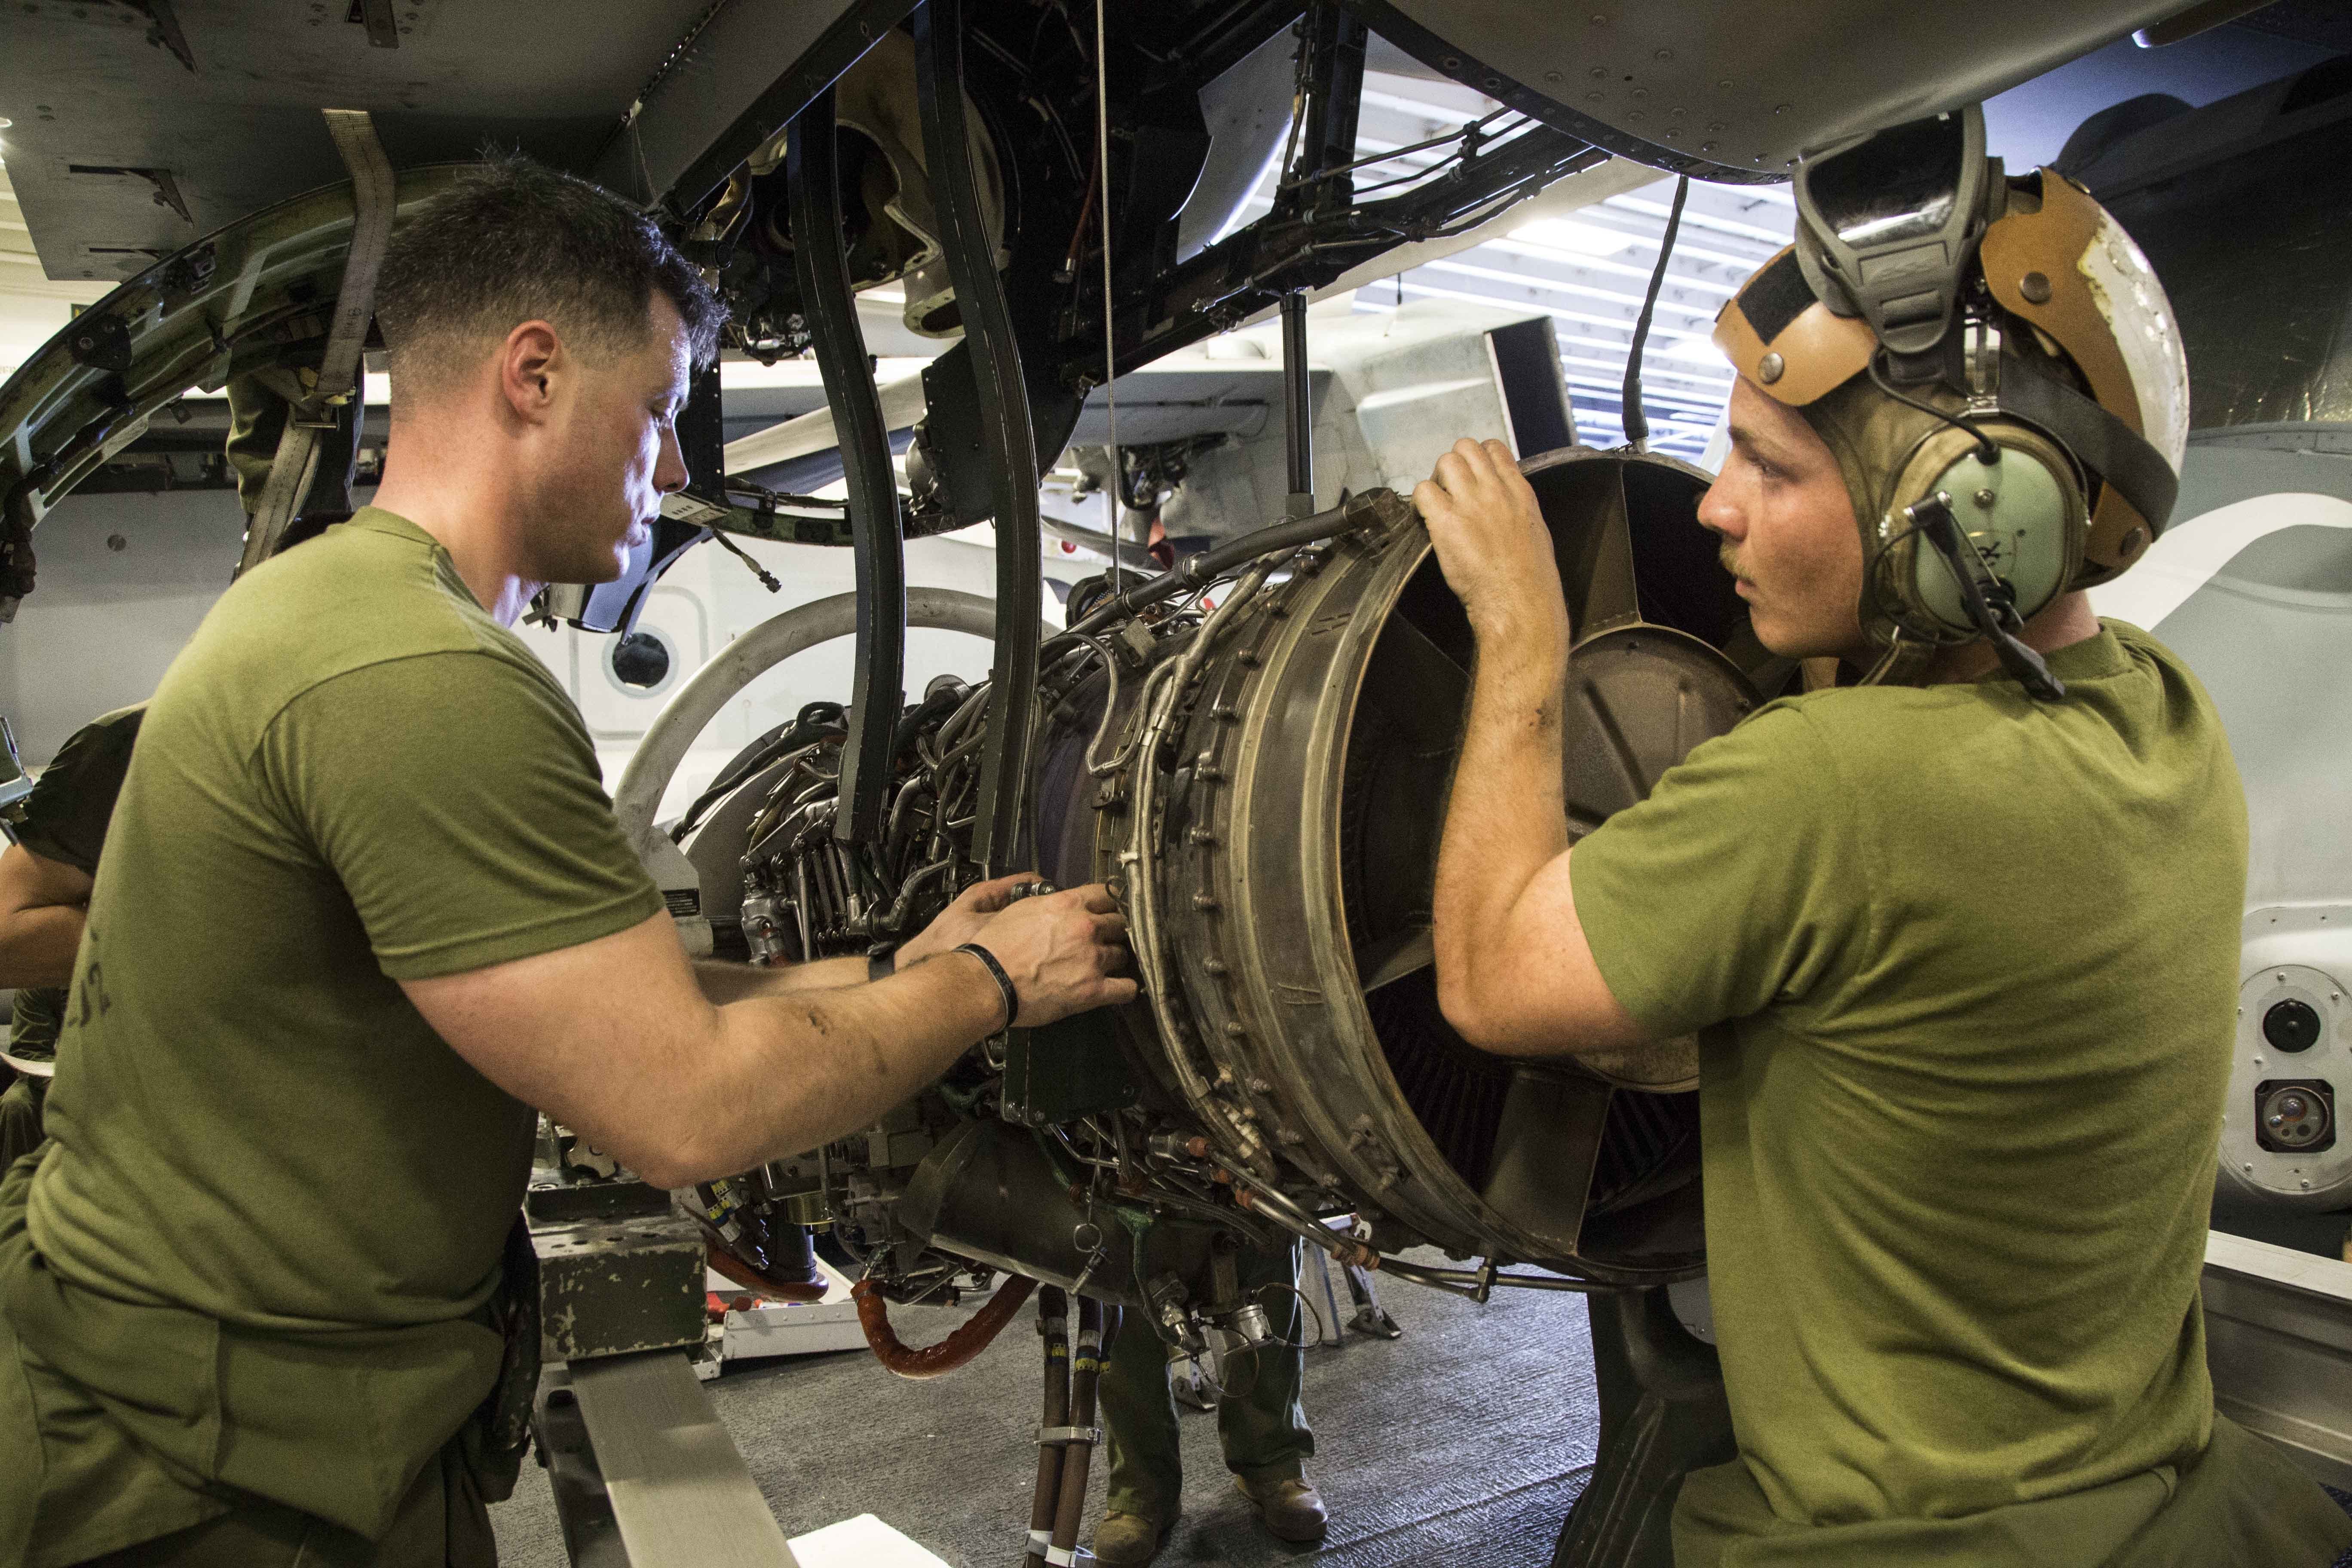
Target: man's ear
<point>531,360</point>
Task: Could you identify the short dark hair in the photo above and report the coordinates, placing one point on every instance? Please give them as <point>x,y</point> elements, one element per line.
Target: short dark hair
<point>514,241</point>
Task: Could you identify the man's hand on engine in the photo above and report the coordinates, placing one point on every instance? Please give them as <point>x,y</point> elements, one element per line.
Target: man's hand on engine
<point>1494,548</point>
<point>960,922</point>
<point>1061,951</point>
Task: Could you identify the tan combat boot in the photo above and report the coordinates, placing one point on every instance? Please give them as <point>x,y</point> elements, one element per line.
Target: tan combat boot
<point>1129,1539</point>
<point>1292,1510</point>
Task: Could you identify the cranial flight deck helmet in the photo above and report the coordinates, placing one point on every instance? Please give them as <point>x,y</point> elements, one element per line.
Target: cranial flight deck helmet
<point>1997,370</point>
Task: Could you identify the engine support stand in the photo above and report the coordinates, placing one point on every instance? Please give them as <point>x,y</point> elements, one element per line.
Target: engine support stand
<point>877,539</point>
<point>1662,1415</point>
<point>1007,440</point>
<point>1298,408</point>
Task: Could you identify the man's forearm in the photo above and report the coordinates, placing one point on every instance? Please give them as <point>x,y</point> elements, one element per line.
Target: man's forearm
<point>724,983</point>
<point>799,1069</point>
<point>1505,819</point>
<point>38,945</point>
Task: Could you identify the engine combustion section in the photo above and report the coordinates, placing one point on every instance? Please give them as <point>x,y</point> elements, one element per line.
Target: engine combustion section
<point>1254,752</point>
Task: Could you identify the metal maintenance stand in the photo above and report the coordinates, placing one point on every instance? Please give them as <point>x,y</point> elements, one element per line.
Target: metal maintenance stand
<point>2278,1332</point>
<point>643,1473</point>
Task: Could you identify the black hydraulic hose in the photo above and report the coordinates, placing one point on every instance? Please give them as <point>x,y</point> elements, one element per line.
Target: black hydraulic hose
<point>1636,422</point>
<point>944,700</point>
<point>1207,567</point>
<point>1054,1328</point>
<point>814,723</point>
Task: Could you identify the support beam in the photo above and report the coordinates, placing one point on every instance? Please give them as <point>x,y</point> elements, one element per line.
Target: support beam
<point>1007,442</point>
<point>742,73</point>
<point>302,447</point>
<point>877,539</point>
<point>2278,1342</point>
<point>1297,407</point>
<point>1334,78</point>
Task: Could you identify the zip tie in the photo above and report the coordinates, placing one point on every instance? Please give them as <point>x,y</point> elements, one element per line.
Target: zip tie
<point>1068,1556</point>
<point>1061,1436</point>
<point>1041,1541</point>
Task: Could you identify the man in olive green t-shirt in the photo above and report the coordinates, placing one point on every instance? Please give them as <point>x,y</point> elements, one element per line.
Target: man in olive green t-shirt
<point>1962,965</point>
<point>44,882</point>
<point>363,906</point>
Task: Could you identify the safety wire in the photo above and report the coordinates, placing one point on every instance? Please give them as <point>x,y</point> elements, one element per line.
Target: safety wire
<point>1110,335</point>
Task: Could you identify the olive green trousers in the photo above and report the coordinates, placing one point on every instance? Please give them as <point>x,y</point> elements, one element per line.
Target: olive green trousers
<point>20,1118</point>
<point>442,1523</point>
<point>1261,1424</point>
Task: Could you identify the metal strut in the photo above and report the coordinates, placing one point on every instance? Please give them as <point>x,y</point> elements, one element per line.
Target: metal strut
<point>1297,407</point>
<point>374,197</point>
<point>877,537</point>
<point>1008,444</point>
<point>1332,68</point>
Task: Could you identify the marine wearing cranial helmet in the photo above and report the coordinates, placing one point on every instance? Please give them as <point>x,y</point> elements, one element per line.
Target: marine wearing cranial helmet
<point>1994,365</point>
<point>1961,945</point>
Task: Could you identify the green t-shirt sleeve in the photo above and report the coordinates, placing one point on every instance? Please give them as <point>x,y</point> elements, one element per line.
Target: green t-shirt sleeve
<point>457,799</point>
<point>66,815</point>
<point>1738,883</point>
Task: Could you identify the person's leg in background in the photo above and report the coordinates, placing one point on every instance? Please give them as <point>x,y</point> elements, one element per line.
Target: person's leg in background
<point>20,1118</point>
<point>1261,1420</point>
<point>1146,1484</point>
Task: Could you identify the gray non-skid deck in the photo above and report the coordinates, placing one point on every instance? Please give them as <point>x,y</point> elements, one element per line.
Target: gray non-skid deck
<point>1462,1443</point>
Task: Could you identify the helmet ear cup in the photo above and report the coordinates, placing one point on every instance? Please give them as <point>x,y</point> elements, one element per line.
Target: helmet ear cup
<point>2024,514</point>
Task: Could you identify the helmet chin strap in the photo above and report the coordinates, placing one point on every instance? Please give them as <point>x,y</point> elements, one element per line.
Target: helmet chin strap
<point>1991,603</point>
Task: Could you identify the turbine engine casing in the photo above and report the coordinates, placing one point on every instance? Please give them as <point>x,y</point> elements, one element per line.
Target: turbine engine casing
<point>1297,825</point>
<point>1261,774</point>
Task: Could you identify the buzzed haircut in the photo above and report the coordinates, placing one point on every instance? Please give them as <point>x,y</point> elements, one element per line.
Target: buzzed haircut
<point>515,241</point>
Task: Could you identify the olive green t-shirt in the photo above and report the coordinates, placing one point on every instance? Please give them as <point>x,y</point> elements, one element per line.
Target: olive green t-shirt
<point>1965,965</point>
<point>274,1200</point>
<point>64,819</point>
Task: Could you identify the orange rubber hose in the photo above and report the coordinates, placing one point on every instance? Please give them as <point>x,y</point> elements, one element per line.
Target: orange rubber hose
<point>932,1361</point>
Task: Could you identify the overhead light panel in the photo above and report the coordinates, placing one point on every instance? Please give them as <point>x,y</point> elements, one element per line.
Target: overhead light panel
<point>1567,234</point>
<point>1697,351</point>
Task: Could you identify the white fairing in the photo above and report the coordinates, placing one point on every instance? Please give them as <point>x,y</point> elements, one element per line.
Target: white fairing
<point>2189,557</point>
<point>2137,311</point>
<point>2256,596</point>
<point>2297,954</point>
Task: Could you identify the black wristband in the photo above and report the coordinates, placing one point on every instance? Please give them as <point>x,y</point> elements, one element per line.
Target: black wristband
<point>1004,981</point>
<point>881,963</point>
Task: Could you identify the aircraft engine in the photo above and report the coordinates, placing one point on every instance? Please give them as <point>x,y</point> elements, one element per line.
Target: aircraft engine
<point>1254,752</point>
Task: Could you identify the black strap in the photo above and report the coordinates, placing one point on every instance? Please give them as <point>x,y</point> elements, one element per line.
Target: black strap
<point>492,1443</point>
<point>2119,454</point>
<point>881,963</point>
<point>1004,981</point>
